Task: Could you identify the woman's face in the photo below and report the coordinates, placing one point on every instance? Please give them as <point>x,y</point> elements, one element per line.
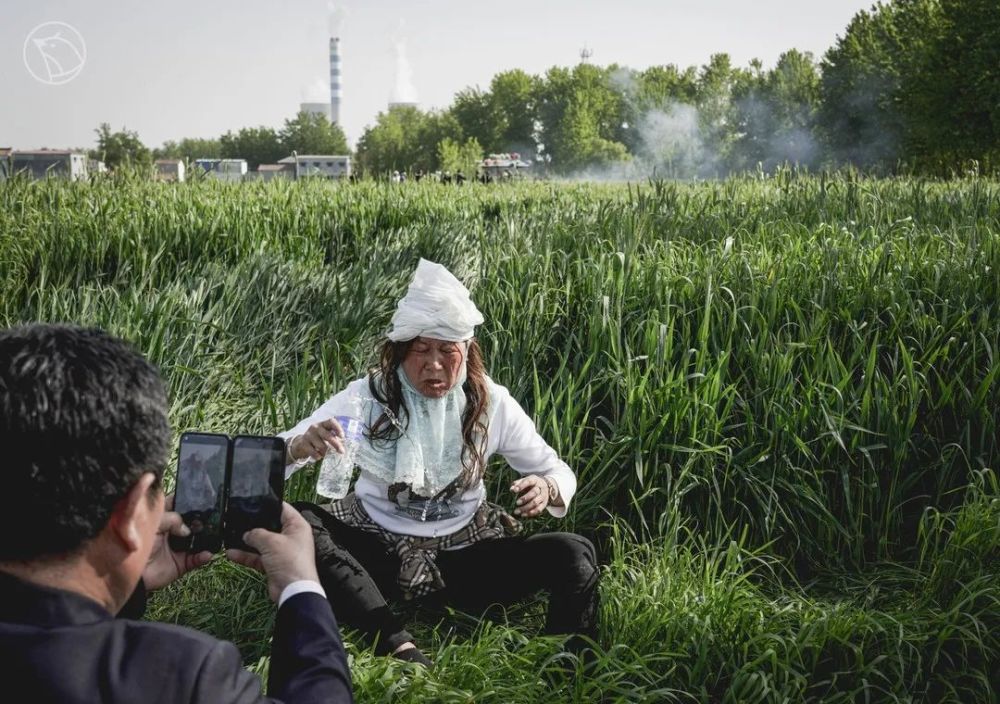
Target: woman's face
<point>433,365</point>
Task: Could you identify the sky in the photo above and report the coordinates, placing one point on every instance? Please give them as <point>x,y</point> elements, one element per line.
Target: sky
<point>189,68</point>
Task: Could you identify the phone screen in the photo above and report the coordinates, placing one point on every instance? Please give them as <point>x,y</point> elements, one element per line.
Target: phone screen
<point>256,485</point>
<point>200,495</point>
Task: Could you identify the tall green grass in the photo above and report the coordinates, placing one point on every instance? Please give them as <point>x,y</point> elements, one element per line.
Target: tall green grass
<point>780,395</point>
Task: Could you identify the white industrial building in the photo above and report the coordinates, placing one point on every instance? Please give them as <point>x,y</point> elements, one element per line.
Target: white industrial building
<point>43,163</point>
<point>169,170</point>
<point>321,165</point>
<point>223,169</point>
<point>269,172</point>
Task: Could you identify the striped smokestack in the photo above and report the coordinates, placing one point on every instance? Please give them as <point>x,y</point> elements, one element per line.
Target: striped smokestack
<point>335,89</point>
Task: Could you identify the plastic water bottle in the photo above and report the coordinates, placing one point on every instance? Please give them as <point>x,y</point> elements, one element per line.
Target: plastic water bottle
<point>336,470</point>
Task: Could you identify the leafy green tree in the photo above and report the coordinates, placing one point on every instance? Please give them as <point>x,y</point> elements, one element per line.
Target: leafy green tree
<point>717,82</point>
<point>503,118</point>
<point>258,145</point>
<point>473,109</point>
<point>389,144</point>
<point>189,149</point>
<point>404,138</point>
<point>458,157</point>
<point>658,89</point>
<point>793,89</point>
<point>122,148</point>
<point>953,95</point>
<point>866,112</point>
<point>775,114</point>
<point>433,129</point>
<point>658,85</point>
<point>515,103</point>
<point>581,114</point>
<point>312,133</point>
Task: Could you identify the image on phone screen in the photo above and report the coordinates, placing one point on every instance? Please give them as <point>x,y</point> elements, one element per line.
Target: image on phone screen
<point>200,495</point>
<point>256,485</point>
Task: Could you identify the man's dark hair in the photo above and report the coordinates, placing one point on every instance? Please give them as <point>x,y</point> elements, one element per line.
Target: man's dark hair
<point>82,417</point>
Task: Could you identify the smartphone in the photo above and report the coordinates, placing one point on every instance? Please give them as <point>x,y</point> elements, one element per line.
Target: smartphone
<point>200,493</point>
<point>256,485</point>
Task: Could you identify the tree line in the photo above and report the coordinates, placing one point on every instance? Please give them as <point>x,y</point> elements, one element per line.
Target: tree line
<point>911,85</point>
<point>306,133</point>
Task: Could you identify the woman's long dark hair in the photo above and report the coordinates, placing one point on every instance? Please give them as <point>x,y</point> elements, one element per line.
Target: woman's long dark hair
<point>385,387</point>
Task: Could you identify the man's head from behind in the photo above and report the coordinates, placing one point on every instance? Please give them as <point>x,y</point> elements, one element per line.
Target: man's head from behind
<point>83,424</point>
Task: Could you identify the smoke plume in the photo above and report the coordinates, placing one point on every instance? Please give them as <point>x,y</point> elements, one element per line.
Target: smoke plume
<point>403,90</point>
<point>336,14</point>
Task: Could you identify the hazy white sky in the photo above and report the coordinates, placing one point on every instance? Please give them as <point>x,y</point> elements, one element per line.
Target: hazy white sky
<point>186,68</point>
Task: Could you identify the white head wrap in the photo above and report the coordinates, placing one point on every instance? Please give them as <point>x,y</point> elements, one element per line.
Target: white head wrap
<point>435,305</point>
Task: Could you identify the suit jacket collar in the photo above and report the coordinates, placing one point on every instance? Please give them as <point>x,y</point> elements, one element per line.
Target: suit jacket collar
<point>45,607</point>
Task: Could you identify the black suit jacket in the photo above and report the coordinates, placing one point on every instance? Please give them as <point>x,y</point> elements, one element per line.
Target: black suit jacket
<point>57,646</point>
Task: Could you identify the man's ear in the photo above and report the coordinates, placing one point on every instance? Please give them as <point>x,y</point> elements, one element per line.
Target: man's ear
<point>133,512</point>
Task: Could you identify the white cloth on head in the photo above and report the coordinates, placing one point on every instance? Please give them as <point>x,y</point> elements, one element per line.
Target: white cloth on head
<point>435,305</point>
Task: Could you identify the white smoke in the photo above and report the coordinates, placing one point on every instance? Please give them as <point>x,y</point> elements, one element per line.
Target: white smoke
<point>318,91</point>
<point>404,90</point>
<point>621,79</point>
<point>671,143</point>
<point>336,14</point>
<point>677,140</point>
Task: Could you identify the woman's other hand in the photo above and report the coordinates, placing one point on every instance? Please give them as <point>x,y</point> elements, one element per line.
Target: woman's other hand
<point>316,440</point>
<point>532,495</point>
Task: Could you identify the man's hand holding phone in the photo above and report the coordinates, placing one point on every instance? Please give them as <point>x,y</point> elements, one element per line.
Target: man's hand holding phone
<point>166,565</point>
<point>227,486</point>
<point>285,557</point>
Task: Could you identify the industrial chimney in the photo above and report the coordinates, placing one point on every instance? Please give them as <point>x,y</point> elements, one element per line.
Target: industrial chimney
<point>335,80</point>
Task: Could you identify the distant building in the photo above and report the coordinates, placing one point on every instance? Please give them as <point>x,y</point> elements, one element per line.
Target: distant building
<point>322,165</point>
<point>96,166</point>
<point>169,170</point>
<point>267,172</point>
<point>5,163</point>
<point>43,163</point>
<point>316,109</point>
<point>223,169</point>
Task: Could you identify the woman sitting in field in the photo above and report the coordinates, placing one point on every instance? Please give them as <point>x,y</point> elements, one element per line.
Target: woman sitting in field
<point>417,523</point>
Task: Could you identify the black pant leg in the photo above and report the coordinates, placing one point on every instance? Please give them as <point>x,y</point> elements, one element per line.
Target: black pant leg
<point>506,570</point>
<point>356,571</point>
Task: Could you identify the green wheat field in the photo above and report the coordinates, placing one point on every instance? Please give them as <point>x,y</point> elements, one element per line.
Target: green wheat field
<point>780,394</point>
